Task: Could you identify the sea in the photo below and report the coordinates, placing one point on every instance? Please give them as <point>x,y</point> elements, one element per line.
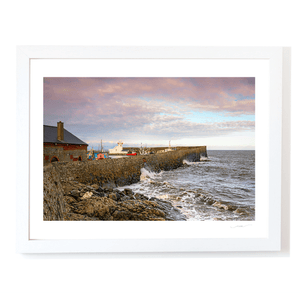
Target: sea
<point>220,187</point>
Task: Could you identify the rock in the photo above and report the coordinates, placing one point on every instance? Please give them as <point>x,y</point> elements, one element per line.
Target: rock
<point>241,211</point>
<point>171,213</point>
<point>108,185</point>
<point>121,194</point>
<point>231,207</point>
<point>75,193</point>
<point>100,194</point>
<point>209,201</point>
<point>220,205</point>
<point>87,195</point>
<point>153,199</point>
<point>100,190</point>
<point>88,188</point>
<point>95,186</point>
<point>128,192</point>
<point>138,196</point>
<point>77,201</point>
<point>112,196</point>
<point>118,196</point>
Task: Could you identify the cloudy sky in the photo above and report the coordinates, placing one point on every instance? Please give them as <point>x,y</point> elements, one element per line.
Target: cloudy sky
<point>216,112</point>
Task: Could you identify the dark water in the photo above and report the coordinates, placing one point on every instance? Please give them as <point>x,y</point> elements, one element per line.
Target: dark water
<point>221,187</point>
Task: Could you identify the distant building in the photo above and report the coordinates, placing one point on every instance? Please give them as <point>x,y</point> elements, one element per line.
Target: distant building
<point>62,145</point>
<point>118,149</point>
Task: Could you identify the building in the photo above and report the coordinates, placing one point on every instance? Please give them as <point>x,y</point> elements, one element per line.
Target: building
<point>118,149</point>
<point>62,145</point>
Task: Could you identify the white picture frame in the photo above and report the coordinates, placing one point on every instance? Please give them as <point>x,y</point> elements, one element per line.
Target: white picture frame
<point>272,242</point>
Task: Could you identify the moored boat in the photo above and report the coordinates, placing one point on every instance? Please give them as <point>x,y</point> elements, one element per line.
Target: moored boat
<point>131,153</point>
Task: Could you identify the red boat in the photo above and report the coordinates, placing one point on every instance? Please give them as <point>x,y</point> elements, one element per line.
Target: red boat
<point>132,154</point>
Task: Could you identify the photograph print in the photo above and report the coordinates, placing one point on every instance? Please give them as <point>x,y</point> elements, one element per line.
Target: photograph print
<point>149,149</point>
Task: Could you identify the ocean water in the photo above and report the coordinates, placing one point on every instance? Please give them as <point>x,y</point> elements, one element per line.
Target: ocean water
<point>220,187</point>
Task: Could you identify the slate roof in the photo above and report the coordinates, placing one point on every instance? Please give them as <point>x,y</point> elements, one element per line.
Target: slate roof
<point>50,136</point>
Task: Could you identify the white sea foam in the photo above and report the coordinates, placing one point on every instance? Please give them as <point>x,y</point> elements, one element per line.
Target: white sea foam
<point>203,158</point>
<point>163,197</point>
<point>145,174</point>
<point>196,188</point>
<point>191,163</point>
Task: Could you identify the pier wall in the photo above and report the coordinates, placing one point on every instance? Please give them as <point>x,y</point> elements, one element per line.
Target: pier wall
<point>158,149</point>
<point>107,173</point>
<point>124,171</point>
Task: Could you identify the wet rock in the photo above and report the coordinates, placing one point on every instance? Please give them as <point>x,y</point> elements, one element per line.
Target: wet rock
<point>122,181</point>
<point>128,192</point>
<point>121,208</point>
<point>241,211</point>
<point>138,196</point>
<point>153,199</point>
<point>171,213</point>
<point>200,199</point>
<point>209,201</point>
<point>220,205</point>
<point>85,202</point>
<point>231,207</point>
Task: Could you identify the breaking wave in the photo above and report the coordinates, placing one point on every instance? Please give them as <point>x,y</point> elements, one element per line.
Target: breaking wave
<point>208,190</point>
<point>146,174</point>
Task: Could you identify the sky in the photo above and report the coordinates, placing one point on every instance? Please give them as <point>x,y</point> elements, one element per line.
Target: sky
<point>204,111</point>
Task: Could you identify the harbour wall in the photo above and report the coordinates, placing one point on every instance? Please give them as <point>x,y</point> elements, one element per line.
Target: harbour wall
<point>107,173</point>
<point>127,170</point>
<point>160,149</point>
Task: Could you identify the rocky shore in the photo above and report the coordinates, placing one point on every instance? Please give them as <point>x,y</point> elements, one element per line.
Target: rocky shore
<point>70,200</point>
<point>84,202</point>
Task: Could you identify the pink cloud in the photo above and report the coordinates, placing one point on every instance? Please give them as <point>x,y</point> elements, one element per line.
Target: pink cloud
<point>156,106</point>
<point>83,96</point>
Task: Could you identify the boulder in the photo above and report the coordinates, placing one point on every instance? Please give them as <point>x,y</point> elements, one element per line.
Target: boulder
<point>87,195</point>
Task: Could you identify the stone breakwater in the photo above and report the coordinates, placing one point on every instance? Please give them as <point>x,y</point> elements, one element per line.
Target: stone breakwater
<point>87,190</point>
